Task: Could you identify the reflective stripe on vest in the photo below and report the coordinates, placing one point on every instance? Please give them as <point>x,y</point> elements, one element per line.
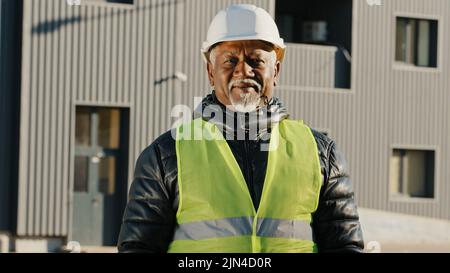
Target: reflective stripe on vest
<point>216,212</point>
<point>242,226</point>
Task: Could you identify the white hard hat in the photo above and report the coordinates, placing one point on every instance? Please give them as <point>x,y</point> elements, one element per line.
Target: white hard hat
<point>243,22</point>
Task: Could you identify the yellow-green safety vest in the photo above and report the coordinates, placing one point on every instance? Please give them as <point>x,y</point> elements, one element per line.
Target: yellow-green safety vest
<point>215,211</point>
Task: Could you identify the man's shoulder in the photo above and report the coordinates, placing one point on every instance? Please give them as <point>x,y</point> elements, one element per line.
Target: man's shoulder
<point>166,139</point>
<point>323,143</point>
<point>163,146</point>
<point>322,140</point>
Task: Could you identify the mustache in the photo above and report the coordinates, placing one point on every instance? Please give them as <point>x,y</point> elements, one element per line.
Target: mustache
<point>245,81</point>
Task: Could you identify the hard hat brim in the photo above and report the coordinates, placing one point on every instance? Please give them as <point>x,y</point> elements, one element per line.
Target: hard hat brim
<point>279,45</point>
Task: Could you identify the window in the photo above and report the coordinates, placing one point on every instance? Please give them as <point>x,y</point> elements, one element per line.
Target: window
<point>81,174</point>
<point>323,23</point>
<point>121,1</point>
<point>114,1</point>
<point>416,42</point>
<point>412,173</point>
<point>326,22</point>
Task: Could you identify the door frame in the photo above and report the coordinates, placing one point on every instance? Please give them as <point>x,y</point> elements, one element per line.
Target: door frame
<point>122,159</point>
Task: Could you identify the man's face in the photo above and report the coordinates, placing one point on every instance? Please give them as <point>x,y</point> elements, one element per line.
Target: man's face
<point>243,71</point>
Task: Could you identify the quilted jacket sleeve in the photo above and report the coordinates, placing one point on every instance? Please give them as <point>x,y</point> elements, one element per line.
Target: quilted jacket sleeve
<point>336,222</point>
<point>149,218</point>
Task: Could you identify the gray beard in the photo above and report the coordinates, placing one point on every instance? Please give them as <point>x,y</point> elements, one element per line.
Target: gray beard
<point>248,102</point>
<point>254,125</point>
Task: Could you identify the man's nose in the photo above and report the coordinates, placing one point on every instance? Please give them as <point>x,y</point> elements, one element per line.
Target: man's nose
<point>243,69</point>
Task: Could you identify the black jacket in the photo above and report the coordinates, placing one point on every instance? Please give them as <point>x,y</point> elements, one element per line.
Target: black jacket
<point>149,220</point>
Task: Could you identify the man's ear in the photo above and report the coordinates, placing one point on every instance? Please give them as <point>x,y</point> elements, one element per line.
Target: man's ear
<point>210,69</point>
<point>276,72</point>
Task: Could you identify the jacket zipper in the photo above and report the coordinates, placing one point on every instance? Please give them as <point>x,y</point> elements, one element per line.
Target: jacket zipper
<point>248,172</point>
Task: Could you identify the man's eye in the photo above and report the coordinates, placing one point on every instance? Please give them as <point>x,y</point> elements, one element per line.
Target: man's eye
<point>257,62</point>
<point>230,61</point>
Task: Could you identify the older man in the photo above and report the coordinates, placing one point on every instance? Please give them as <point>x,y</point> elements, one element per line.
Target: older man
<point>253,180</point>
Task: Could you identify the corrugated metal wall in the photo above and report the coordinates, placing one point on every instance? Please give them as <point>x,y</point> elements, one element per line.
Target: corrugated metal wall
<point>398,106</point>
<point>106,55</point>
<point>9,109</point>
<point>127,56</point>
<point>388,105</point>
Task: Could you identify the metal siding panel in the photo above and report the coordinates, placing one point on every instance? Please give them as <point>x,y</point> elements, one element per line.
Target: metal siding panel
<point>150,91</point>
<point>355,160</point>
<point>144,72</point>
<point>26,168</point>
<point>197,20</point>
<point>378,111</point>
<point>172,69</point>
<point>59,178</point>
<point>385,83</point>
<point>158,74</point>
<point>103,58</point>
<point>162,94</point>
<point>109,56</point>
<point>188,59</point>
<point>46,118</point>
<point>174,88</point>
<point>69,94</point>
<point>166,87</point>
<point>51,137</point>
<point>139,74</point>
<point>181,43</point>
<point>114,54</point>
<point>24,119</point>
<point>93,73</point>
<point>370,92</point>
<point>129,92</point>
<point>127,56</point>
<point>39,120</point>
<point>101,80</point>
<point>134,110</point>
<point>120,25</point>
<point>89,66</point>
<point>31,179</point>
<point>81,92</point>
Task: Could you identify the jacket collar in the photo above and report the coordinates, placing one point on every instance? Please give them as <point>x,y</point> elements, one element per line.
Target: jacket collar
<point>239,126</point>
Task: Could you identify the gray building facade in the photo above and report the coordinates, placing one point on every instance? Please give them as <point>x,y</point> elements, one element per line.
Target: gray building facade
<point>85,88</point>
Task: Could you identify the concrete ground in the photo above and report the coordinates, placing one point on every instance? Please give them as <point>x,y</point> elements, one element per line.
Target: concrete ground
<point>98,249</point>
<point>388,232</point>
<point>408,248</point>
